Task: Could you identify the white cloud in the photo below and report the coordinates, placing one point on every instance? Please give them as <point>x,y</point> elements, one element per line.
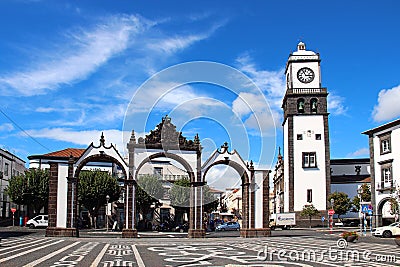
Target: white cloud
<point>84,52</point>
<point>260,112</point>
<point>222,177</point>
<point>6,127</point>
<point>256,113</point>
<point>388,105</point>
<point>270,82</point>
<point>335,104</point>
<point>82,137</point>
<point>171,45</point>
<point>360,152</point>
<point>176,43</point>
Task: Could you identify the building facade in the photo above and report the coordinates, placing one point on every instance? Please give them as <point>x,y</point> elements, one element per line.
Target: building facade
<point>306,133</point>
<point>347,175</point>
<point>11,165</point>
<point>384,147</point>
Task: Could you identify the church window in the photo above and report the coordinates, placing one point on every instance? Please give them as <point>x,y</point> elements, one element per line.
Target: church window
<point>309,160</point>
<point>299,137</point>
<point>309,195</point>
<point>300,105</point>
<point>314,105</point>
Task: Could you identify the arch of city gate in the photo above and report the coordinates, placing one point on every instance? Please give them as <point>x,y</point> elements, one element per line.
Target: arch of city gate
<point>252,181</point>
<point>63,188</point>
<point>166,142</point>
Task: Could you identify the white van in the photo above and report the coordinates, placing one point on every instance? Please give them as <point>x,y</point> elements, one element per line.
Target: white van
<point>38,221</point>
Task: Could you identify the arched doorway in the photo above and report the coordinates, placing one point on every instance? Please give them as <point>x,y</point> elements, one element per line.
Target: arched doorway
<point>252,181</point>
<point>384,215</point>
<point>165,141</point>
<point>63,188</point>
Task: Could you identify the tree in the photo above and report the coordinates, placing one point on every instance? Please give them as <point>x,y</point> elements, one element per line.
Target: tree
<point>180,197</point>
<point>365,197</point>
<point>180,193</point>
<point>309,211</point>
<point>341,204</point>
<point>93,187</point>
<point>31,189</point>
<point>148,192</point>
<point>394,206</point>
<point>209,200</point>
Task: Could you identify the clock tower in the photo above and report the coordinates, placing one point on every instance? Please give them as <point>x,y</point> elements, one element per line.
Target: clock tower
<point>306,133</point>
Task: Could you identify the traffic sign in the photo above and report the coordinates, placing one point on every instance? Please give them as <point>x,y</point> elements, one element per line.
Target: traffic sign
<point>365,208</point>
<point>322,218</point>
<point>13,210</point>
<point>331,212</point>
<point>369,212</point>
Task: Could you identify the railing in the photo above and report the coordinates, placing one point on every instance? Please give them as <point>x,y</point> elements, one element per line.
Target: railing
<point>384,187</point>
<point>306,90</point>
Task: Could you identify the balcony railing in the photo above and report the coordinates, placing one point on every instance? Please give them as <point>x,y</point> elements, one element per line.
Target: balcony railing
<point>306,90</point>
<point>385,187</point>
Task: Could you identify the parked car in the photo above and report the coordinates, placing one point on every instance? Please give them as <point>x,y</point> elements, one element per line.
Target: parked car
<point>228,226</point>
<point>387,231</point>
<point>38,221</point>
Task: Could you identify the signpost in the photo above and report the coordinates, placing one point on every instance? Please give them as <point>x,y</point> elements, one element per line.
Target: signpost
<point>13,210</point>
<point>330,214</point>
<point>366,208</point>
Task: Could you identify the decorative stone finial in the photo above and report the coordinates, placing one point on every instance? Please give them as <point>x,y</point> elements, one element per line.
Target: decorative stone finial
<point>102,139</point>
<point>133,137</point>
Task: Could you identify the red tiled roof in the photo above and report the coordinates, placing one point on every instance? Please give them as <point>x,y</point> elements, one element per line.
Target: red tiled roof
<point>75,152</point>
<point>367,180</point>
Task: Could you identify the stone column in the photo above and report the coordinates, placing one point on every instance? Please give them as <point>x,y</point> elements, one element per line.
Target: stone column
<point>130,190</point>
<point>245,203</point>
<point>52,208</point>
<point>196,228</point>
<point>266,199</point>
<point>129,230</point>
<point>72,197</point>
<point>252,206</point>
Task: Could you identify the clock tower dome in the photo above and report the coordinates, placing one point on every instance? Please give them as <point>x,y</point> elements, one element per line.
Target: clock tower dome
<point>306,133</point>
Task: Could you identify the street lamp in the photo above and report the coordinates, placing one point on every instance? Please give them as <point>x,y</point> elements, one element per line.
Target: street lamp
<point>107,198</point>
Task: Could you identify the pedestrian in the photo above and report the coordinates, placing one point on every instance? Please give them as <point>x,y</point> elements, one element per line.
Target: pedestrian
<point>115,224</point>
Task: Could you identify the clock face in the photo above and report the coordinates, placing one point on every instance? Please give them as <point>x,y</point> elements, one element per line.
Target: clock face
<point>305,75</point>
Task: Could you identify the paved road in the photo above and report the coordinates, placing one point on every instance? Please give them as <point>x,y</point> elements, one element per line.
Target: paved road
<point>284,248</point>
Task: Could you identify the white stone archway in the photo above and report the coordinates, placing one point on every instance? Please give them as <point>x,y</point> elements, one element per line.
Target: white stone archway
<point>63,192</point>
<point>255,190</point>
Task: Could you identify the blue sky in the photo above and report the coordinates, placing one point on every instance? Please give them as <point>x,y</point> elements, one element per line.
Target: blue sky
<point>70,69</point>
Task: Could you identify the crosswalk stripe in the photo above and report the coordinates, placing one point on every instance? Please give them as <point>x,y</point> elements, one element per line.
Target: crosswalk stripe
<point>18,242</point>
<point>139,259</point>
<point>49,256</point>
<point>23,246</point>
<point>100,256</point>
<point>29,251</point>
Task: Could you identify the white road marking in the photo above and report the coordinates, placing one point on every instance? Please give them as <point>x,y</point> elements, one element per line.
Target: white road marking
<point>49,256</point>
<point>100,256</point>
<point>29,251</point>
<point>137,256</point>
<point>21,244</point>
